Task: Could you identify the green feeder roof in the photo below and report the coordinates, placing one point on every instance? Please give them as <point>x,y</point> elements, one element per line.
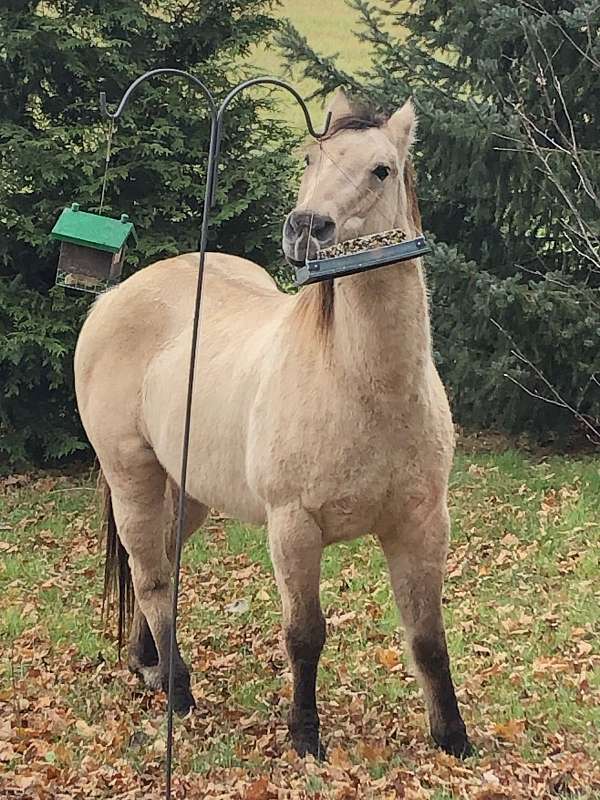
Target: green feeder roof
<point>93,230</point>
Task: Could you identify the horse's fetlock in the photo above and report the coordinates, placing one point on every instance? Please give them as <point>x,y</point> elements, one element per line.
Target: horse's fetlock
<point>301,720</point>
<point>181,679</point>
<point>453,739</point>
<point>142,648</point>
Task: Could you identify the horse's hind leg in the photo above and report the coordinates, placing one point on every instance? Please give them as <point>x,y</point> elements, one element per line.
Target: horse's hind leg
<point>416,559</point>
<point>296,547</point>
<point>143,520</point>
<point>142,649</point>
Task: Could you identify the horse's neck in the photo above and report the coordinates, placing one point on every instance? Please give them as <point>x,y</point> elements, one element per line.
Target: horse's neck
<point>380,330</point>
<point>380,320</point>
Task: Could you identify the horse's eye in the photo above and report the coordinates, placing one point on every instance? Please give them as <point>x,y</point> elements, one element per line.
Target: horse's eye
<point>306,160</point>
<point>381,172</point>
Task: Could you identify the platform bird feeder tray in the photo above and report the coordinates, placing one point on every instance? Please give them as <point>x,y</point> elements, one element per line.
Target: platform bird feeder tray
<point>93,249</point>
<point>360,255</point>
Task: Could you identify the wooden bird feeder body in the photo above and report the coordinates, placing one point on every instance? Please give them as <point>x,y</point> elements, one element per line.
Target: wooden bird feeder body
<point>93,249</point>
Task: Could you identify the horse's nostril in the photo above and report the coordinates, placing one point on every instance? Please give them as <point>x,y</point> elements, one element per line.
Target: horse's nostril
<point>320,226</point>
<point>325,229</point>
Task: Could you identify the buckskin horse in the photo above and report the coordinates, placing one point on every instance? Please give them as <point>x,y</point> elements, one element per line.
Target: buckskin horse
<point>320,414</point>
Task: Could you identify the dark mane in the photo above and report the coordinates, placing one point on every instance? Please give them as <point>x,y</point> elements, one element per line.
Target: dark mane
<point>360,120</point>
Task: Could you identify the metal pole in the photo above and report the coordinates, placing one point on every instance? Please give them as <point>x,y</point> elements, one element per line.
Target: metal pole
<point>208,202</point>
<point>208,194</point>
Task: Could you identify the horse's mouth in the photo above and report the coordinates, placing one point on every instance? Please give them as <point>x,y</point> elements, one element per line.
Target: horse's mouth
<point>299,246</point>
<point>293,262</point>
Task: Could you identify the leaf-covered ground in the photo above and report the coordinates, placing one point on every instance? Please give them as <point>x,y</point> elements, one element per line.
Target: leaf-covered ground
<point>523,615</point>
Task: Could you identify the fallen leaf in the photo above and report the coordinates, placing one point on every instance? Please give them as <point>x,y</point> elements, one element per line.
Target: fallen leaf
<point>84,730</point>
<point>387,658</point>
<point>511,730</point>
<point>338,757</point>
<point>371,753</point>
<point>7,751</point>
<point>259,790</point>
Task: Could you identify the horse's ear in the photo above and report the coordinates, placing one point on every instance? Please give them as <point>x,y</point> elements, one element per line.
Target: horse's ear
<point>402,126</point>
<point>339,105</point>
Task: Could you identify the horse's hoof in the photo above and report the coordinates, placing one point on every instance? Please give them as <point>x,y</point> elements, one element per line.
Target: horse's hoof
<point>455,743</point>
<point>310,746</point>
<point>137,666</point>
<point>183,700</point>
<point>153,677</point>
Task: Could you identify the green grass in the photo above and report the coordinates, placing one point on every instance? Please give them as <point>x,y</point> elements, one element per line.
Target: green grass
<point>521,605</point>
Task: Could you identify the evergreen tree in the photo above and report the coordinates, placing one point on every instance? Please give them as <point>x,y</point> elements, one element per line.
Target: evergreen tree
<point>55,58</point>
<point>508,95</point>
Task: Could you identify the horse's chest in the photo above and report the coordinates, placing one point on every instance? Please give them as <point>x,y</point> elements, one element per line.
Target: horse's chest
<point>346,489</point>
<point>345,468</point>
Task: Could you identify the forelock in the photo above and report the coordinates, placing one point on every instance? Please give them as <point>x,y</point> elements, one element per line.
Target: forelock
<point>361,119</point>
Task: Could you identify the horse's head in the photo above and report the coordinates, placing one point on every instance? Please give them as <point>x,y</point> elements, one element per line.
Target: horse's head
<point>354,182</point>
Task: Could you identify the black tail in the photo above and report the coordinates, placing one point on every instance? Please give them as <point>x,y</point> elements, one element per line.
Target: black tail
<point>117,574</point>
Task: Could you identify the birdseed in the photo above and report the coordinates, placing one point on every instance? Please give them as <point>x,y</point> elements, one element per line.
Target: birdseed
<point>362,243</point>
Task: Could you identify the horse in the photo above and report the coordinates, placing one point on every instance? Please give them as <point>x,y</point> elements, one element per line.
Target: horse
<point>320,414</point>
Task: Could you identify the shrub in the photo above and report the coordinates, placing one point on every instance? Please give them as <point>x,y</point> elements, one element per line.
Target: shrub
<point>55,57</point>
<point>507,96</point>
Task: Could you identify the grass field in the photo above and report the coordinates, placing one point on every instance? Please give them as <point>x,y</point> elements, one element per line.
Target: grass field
<point>330,29</point>
<point>523,614</point>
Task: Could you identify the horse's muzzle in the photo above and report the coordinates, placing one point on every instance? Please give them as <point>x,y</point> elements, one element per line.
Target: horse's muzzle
<point>305,233</point>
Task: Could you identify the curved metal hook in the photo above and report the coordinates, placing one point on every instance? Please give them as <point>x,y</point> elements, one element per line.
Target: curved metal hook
<point>151,73</point>
<point>267,79</point>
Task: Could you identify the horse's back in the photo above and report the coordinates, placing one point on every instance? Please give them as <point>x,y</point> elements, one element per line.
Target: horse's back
<point>169,286</point>
<point>130,326</point>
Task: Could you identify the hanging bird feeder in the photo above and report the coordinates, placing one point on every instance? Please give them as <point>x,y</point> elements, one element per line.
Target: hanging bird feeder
<point>93,249</point>
<point>360,255</point>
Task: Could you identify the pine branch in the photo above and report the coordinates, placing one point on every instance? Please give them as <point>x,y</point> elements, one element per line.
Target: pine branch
<point>299,55</point>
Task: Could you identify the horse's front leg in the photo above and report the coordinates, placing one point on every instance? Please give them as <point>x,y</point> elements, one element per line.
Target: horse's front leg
<point>296,547</point>
<point>416,557</point>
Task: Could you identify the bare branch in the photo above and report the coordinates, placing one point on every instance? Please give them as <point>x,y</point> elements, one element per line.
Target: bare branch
<point>567,286</point>
<point>554,21</point>
<point>556,398</point>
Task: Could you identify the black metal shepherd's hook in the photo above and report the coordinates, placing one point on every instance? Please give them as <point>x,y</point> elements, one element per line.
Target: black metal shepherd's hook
<point>216,131</point>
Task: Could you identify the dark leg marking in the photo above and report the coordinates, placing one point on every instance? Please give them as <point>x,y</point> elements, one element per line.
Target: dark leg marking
<point>143,650</point>
<point>447,727</point>
<point>304,645</point>
<point>183,699</point>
